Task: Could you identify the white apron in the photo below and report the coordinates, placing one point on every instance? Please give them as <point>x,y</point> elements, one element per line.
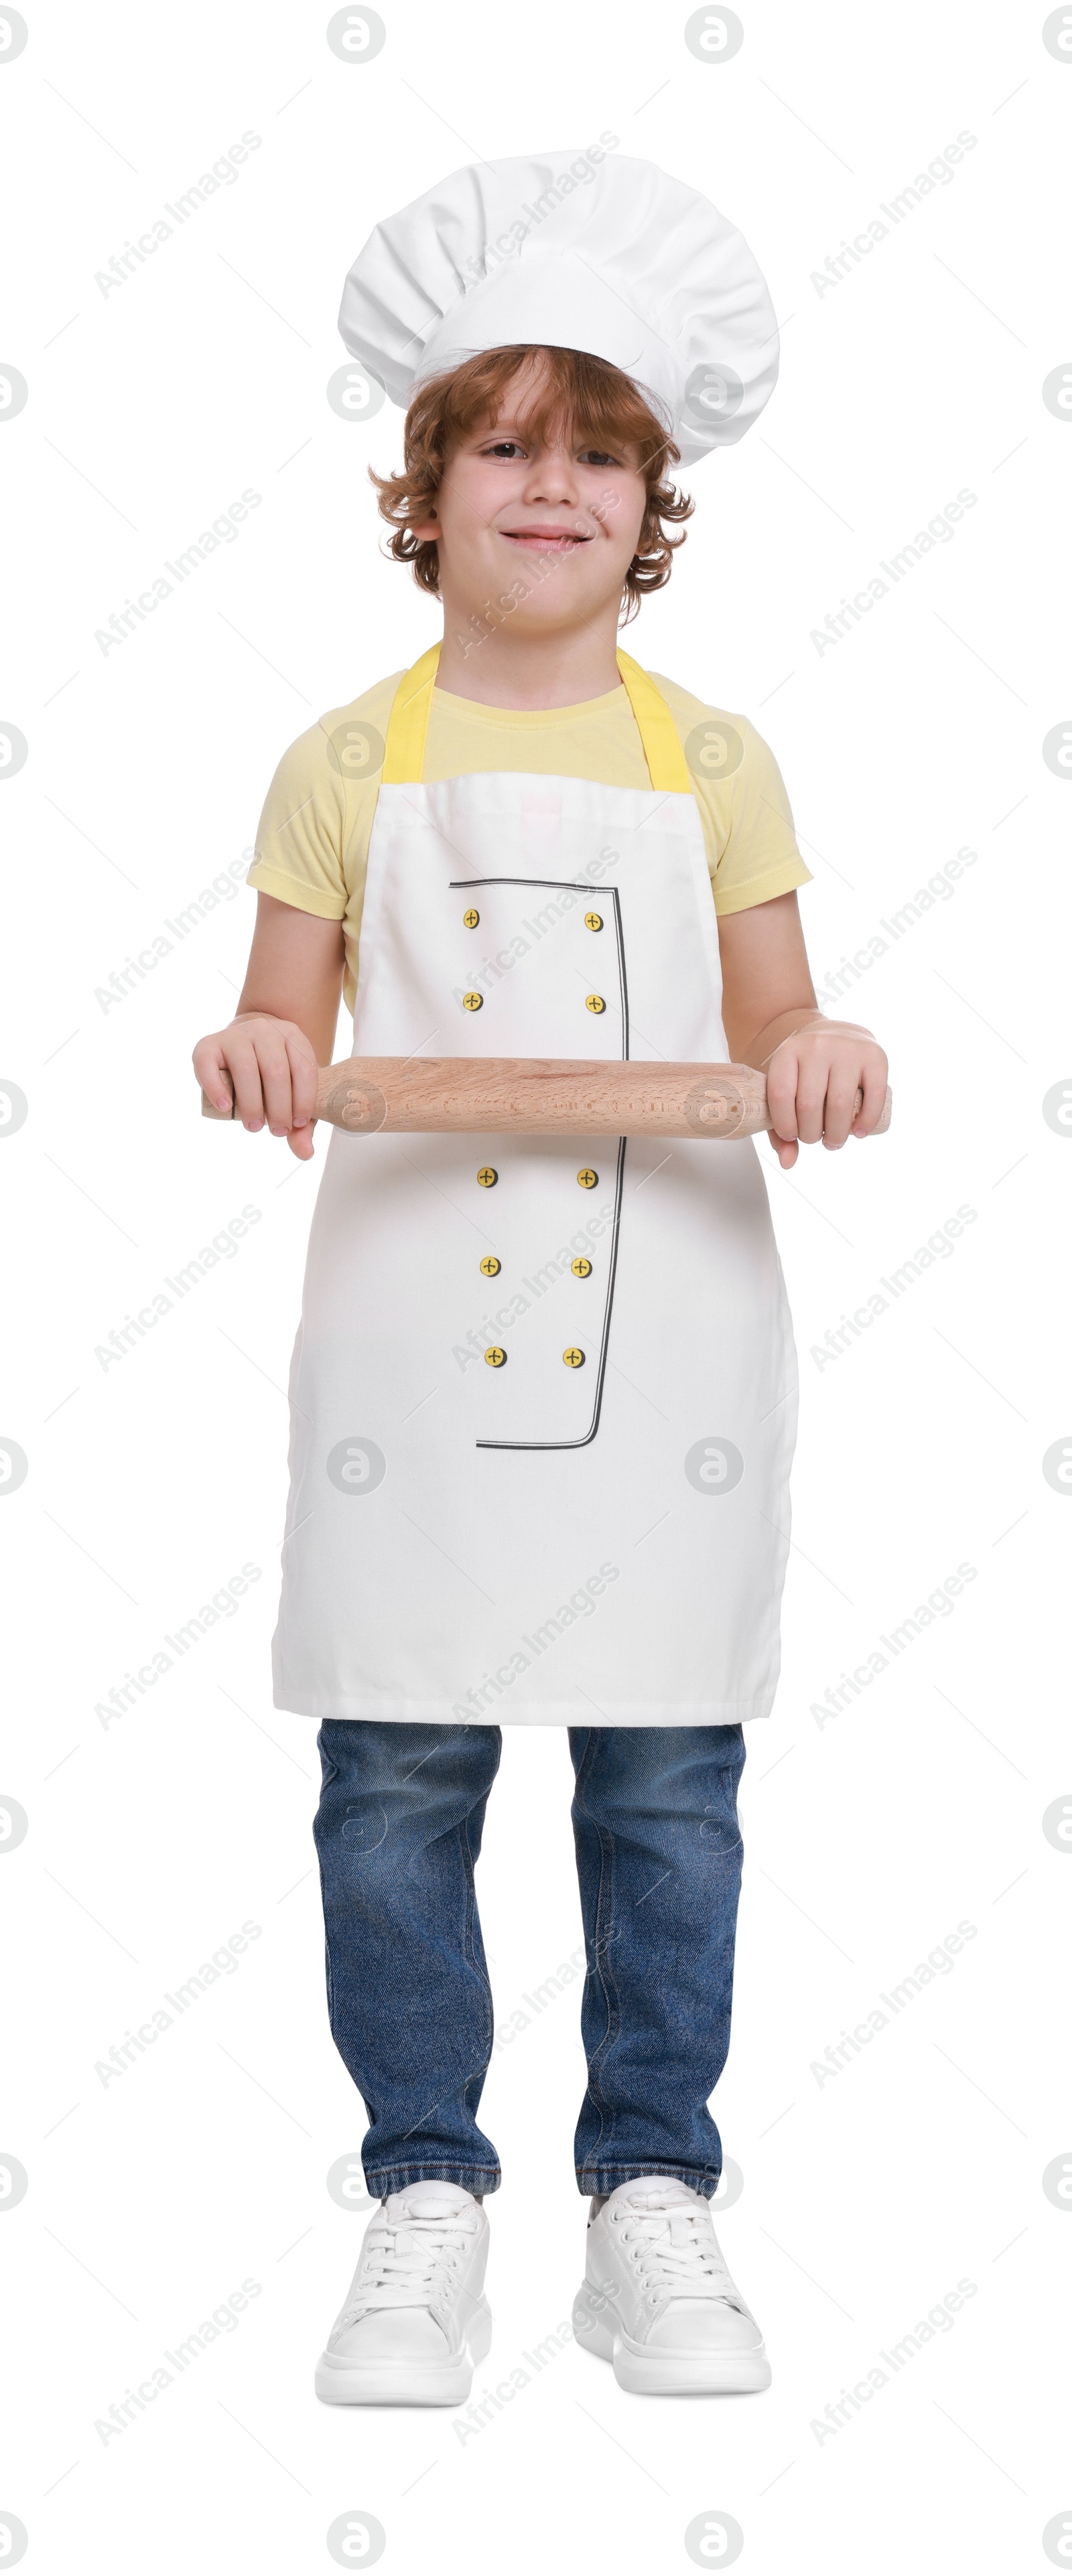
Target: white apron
<point>543,1393</point>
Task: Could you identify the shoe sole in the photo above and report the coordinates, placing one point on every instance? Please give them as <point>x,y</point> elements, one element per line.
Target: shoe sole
<point>665,2374</point>
<point>406,2383</point>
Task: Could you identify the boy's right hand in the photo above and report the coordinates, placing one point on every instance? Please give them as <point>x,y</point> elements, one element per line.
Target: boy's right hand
<point>274,1071</point>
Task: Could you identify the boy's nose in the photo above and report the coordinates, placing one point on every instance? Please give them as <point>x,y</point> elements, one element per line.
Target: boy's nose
<point>553,477</point>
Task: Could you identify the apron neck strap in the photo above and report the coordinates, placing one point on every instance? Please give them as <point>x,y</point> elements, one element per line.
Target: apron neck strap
<point>667,768</point>
<point>407,726</point>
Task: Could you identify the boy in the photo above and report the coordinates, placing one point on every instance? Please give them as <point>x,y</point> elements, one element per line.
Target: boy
<point>520,1357</point>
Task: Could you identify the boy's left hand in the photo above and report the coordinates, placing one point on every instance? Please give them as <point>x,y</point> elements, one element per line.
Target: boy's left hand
<point>813,1078</point>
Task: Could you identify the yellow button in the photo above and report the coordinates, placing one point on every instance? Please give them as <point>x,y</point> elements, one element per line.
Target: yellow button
<point>472,1001</point>
<point>587,1179</point>
<point>593,921</point>
<point>593,1002</point>
<point>581,1269</point>
<point>490,1266</point>
<point>495,1357</point>
<point>573,1359</point>
<point>470,919</point>
<point>487,1177</point>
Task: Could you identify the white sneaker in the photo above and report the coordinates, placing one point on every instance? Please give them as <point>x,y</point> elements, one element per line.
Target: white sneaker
<point>416,2319</point>
<point>658,2301</point>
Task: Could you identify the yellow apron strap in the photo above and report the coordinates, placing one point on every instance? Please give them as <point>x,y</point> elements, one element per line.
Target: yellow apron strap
<point>407,725</point>
<point>667,766</point>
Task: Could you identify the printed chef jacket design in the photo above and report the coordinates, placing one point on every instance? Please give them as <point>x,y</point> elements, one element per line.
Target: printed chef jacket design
<point>543,1392</point>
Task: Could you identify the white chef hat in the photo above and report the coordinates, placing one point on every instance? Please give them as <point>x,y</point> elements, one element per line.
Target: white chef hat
<point>582,250</point>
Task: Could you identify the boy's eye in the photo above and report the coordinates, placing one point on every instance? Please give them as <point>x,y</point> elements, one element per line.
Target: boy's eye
<point>505,447</point>
<point>595,456</point>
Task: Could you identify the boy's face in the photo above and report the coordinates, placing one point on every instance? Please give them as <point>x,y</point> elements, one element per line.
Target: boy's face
<point>544,531</point>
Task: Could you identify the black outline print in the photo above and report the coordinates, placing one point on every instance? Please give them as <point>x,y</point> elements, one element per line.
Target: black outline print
<point>569,885</point>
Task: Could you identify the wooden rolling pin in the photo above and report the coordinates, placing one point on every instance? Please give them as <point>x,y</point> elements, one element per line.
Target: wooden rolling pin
<point>540,1096</point>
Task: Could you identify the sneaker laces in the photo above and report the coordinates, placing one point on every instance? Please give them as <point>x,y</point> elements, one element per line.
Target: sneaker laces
<point>407,2261</point>
<point>676,2252</point>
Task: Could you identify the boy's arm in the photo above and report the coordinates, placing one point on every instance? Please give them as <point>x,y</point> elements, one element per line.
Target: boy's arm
<point>284,1026</point>
<point>814,1066</point>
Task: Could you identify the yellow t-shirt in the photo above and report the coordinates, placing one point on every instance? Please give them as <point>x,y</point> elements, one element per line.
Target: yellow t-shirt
<point>313,836</point>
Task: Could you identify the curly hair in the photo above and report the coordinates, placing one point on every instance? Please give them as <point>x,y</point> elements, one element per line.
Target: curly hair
<point>570,388</point>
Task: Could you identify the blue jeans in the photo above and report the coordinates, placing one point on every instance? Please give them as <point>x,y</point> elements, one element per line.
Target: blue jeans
<point>398,1833</point>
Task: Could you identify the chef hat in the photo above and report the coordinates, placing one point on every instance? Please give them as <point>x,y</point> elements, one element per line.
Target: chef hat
<point>576,251</point>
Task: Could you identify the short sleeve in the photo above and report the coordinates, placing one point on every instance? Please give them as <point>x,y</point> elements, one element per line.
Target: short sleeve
<point>299,851</point>
<point>747,819</point>
<point>752,817</point>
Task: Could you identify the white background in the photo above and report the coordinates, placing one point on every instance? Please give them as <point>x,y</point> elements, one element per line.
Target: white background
<point>867,2196</point>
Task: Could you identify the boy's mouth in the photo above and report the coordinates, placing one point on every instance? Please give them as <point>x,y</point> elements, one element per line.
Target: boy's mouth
<point>555,541</point>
